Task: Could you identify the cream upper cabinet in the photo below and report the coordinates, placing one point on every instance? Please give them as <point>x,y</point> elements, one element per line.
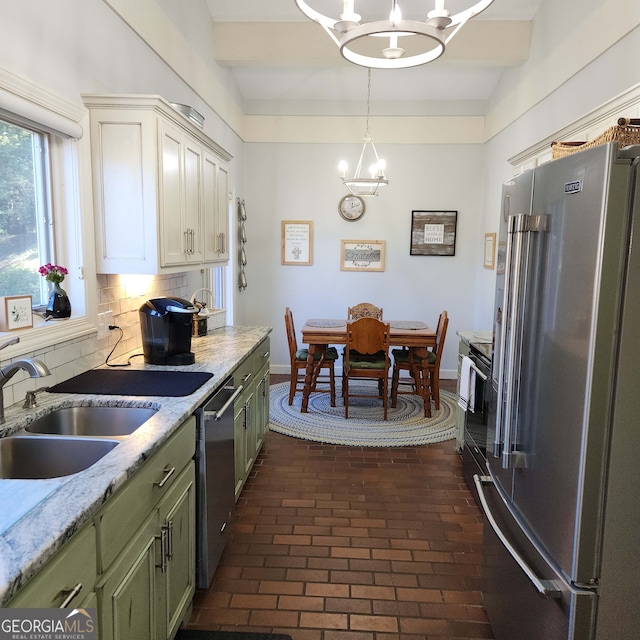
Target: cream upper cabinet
<point>160,188</point>
<point>215,209</point>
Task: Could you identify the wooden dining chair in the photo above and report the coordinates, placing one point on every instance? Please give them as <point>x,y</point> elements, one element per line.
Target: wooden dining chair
<point>367,357</point>
<point>361,310</point>
<point>298,362</point>
<point>425,375</point>
<point>364,310</point>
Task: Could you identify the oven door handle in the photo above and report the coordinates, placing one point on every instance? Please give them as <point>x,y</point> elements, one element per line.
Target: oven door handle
<point>474,367</point>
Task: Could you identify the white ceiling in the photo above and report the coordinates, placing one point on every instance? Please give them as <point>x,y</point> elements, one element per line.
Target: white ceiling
<point>284,63</point>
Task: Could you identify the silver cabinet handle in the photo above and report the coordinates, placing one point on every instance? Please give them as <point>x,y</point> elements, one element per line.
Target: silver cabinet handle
<point>169,528</point>
<point>167,474</point>
<point>163,550</point>
<point>247,376</point>
<point>546,588</point>
<point>72,594</point>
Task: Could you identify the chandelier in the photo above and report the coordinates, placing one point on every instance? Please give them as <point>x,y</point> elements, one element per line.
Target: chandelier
<point>393,43</point>
<point>362,185</point>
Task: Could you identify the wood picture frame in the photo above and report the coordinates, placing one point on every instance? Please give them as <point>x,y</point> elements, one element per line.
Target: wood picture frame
<point>362,255</point>
<point>489,250</point>
<point>15,313</point>
<point>297,242</point>
<point>433,233</point>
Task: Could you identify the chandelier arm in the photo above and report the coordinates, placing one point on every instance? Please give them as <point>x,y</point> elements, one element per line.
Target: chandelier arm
<point>453,33</point>
<point>330,33</point>
<point>467,14</point>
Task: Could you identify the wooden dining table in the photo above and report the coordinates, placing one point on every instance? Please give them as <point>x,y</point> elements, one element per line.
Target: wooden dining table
<point>319,333</point>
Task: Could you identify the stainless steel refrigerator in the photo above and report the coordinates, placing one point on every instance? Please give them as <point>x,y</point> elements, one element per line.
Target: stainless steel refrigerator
<point>562,495</point>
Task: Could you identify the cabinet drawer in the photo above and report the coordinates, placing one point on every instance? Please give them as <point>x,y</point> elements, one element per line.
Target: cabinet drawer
<point>262,354</point>
<point>122,516</point>
<point>73,565</point>
<point>245,373</point>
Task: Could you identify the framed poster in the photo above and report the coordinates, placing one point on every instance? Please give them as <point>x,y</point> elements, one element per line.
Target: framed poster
<point>433,233</point>
<point>362,255</point>
<point>297,242</point>
<point>489,250</point>
<point>15,313</point>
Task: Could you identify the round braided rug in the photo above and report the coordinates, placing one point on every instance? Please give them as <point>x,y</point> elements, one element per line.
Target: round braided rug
<point>406,424</point>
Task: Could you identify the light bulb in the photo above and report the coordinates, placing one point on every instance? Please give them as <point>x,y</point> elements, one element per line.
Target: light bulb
<point>396,15</point>
<point>342,167</point>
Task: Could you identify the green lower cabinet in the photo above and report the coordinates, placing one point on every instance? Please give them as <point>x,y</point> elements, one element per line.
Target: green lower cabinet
<point>177,580</point>
<point>262,406</point>
<point>251,418</point>
<point>239,441</point>
<point>148,591</point>
<point>126,594</point>
<point>68,579</point>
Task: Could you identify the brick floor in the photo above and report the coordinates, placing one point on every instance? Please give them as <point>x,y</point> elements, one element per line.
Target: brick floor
<point>348,543</point>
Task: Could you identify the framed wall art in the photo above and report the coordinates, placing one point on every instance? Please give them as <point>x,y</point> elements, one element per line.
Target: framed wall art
<point>15,313</point>
<point>489,250</point>
<point>297,242</point>
<point>433,233</point>
<point>362,255</point>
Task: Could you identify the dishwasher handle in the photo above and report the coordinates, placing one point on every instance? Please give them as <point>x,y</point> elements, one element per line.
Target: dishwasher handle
<point>217,415</point>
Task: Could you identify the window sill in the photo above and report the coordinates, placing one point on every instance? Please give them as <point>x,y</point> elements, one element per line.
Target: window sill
<point>45,335</point>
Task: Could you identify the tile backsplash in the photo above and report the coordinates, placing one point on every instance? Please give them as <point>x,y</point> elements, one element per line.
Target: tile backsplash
<point>72,357</point>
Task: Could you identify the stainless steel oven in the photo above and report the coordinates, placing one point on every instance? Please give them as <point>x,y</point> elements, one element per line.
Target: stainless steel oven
<point>476,424</point>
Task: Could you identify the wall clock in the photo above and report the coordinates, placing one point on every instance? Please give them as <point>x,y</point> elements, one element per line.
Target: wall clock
<point>351,208</point>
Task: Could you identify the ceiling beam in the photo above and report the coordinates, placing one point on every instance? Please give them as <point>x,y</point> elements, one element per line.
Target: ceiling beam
<point>480,42</point>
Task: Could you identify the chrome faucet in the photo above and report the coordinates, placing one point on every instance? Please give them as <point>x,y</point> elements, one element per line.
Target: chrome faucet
<point>34,367</point>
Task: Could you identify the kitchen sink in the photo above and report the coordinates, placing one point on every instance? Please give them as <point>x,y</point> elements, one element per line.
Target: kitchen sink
<point>38,457</point>
<point>91,421</point>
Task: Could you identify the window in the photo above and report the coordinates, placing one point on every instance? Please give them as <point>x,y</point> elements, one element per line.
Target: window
<point>45,211</point>
<point>25,211</point>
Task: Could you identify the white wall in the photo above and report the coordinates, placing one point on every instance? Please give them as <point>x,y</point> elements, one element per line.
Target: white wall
<point>301,182</point>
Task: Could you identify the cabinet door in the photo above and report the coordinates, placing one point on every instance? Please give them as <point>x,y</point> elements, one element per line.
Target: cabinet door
<point>192,227</point>
<point>171,189</point>
<point>178,571</point>
<point>250,432</point>
<point>127,594</point>
<point>262,407</point>
<point>222,213</point>
<point>239,442</point>
<point>68,578</point>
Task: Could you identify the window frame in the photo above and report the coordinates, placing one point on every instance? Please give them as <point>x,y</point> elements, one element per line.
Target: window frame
<point>71,208</point>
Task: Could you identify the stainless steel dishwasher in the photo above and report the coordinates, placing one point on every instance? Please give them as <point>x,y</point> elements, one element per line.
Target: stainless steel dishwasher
<point>215,479</point>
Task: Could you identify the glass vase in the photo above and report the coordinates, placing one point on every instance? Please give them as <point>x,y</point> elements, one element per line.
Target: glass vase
<point>59,305</point>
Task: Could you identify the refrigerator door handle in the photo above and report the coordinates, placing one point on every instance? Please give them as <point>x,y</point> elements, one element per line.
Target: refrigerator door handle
<point>546,588</point>
<point>507,375</point>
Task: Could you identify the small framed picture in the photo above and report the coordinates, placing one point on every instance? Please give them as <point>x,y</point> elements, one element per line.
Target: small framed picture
<point>297,242</point>
<point>362,255</point>
<point>15,313</point>
<point>433,233</point>
<point>489,250</point>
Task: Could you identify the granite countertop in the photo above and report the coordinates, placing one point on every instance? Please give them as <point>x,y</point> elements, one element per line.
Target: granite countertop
<point>38,516</point>
<point>468,336</point>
